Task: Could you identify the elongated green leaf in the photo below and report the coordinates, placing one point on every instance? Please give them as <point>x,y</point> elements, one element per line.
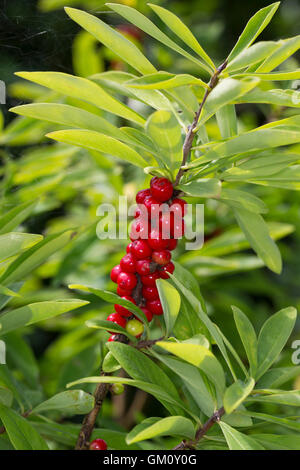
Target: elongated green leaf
<point>6,397</point>
<point>248,337</point>
<point>32,258</point>
<point>142,22</point>
<point>36,312</point>
<point>252,55</point>
<point>257,233</point>
<point>165,131</point>
<point>287,423</point>
<point>287,48</point>
<point>21,433</point>
<point>15,216</point>
<point>274,75</point>
<point>277,376</point>
<point>110,364</point>
<point>75,402</point>
<point>170,300</point>
<point>84,89</point>
<point>164,81</point>
<point>198,356</point>
<point>236,394</point>
<point>109,326</point>
<point>279,97</point>
<point>281,442</point>
<point>243,200</point>
<point>154,427</point>
<point>112,39</point>
<point>238,441</point>
<point>227,121</point>
<point>254,27</point>
<point>14,242</point>
<point>21,355</point>
<point>273,336</point>
<point>291,398</point>
<point>182,31</point>
<point>95,141</point>
<point>202,187</point>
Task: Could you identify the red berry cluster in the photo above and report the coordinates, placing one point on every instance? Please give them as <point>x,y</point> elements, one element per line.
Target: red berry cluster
<point>157,226</point>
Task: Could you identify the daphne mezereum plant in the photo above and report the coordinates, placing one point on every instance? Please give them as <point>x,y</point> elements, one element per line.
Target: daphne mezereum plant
<point>191,368</point>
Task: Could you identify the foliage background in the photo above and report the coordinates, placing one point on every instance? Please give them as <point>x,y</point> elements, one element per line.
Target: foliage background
<point>37,37</point>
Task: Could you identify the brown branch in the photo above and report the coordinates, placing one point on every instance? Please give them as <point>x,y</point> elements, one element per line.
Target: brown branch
<point>147,343</point>
<point>187,145</point>
<point>201,431</point>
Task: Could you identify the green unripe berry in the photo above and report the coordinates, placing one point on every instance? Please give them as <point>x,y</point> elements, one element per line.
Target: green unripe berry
<point>135,328</point>
<point>117,389</point>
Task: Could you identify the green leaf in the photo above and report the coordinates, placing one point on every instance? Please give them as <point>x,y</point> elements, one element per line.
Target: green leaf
<point>257,233</point>
<point>14,217</point>
<point>142,22</point>
<point>74,402</point>
<point>227,121</point>
<point>164,81</point>
<point>294,75</point>
<point>110,364</point>
<point>85,90</point>
<point>112,299</point>
<point>6,397</point>
<point>202,187</point>
<point>112,39</point>
<point>182,31</point>
<point>170,300</point>
<point>236,394</point>
<point>21,356</point>
<point>36,312</point>
<point>252,55</point>
<point>243,200</point>
<point>165,131</point>
<point>281,442</point>
<point>32,258</point>
<point>273,336</point>
<point>291,398</point>
<point>102,143</point>
<point>277,376</point>
<point>248,337</point>
<point>286,49</point>
<point>278,97</point>
<point>238,441</point>
<point>13,242</point>
<point>153,427</point>
<point>254,27</point>
<point>109,326</point>
<point>287,423</point>
<point>21,433</point>
<point>200,357</point>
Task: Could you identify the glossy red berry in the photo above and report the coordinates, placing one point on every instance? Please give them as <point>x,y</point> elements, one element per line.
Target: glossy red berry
<point>127,281</point>
<point>150,279</point>
<point>127,263</point>
<point>161,257</point>
<point>121,292</point>
<point>98,444</point>
<point>155,307</point>
<point>118,319</point>
<point>113,337</point>
<point>139,229</point>
<point>149,315</point>
<point>161,189</point>
<point>128,247</point>
<point>143,267</point>
<point>150,293</point>
<point>172,244</point>
<point>179,207</point>
<point>156,242</point>
<point>152,206</point>
<point>141,195</point>
<point>168,268</point>
<point>115,273</point>
<point>140,249</point>
<point>123,310</point>
<point>166,225</point>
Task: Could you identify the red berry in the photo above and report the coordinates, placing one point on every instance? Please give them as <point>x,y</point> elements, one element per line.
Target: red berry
<point>150,279</point>
<point>166,225</point>
<point>113,337</point>
<point>121,292</point>
<point>140,249</point>
<point>168,268</point>
<point>127,264</point>
<point>98,444</point>
<point>143,267</point>
<point>149,315</point>
<point>150,293</point>
<point>139,229</point>
<point>123,310</point>
<point>128,247</point>
<point>141,195</point>
<point>152,206</point>
<point>156,242</point>
<point>161,189</point>
<point>179,206</point>
<point>161,257</point>
<point>116,318</point>
<point>115,273</point>
<point>172,244</point>
<point>127,281</point>
<point>179,228</point>
<point>155,307</point>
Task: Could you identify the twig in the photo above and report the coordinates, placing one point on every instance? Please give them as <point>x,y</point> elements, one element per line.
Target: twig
<point>201,431</point>
<point>187,145</point>
<point>147,343</point>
